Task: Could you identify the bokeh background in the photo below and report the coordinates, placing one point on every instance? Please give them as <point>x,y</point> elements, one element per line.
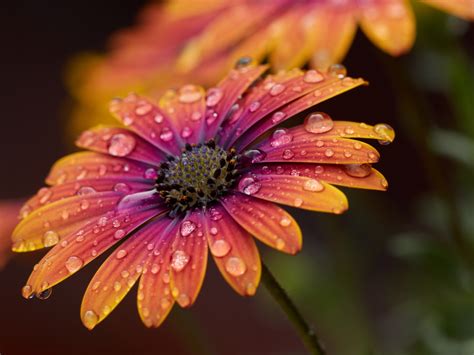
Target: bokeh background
<point>385,278</point>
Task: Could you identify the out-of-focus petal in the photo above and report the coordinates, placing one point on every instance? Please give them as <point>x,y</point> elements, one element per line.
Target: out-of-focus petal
<point>147,120</point>
<point>189,260</point>
<point>296,191</point>
<point>89,165</point>
<point>233,250</point>
<point>9,211</point>
<point>222,98</point>
<point>354,176</point>
<point>119,272</point>
<point>461,8</point>
<point>80,247</point>
<point>284,110</point>
<point>186,108</point>
<point>120,142</point>
<point>265,221</point>
<point>55,221</point>
<point>390,24</point>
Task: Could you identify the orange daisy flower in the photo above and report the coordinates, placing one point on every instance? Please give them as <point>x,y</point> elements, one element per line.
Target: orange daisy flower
<point>198,170</point>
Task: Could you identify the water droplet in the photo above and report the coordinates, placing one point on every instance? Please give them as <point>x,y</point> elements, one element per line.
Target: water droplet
<point>151,174</point>
<point>285,222</point>
<point>121,145</point>
<point>122,253</point>
<point>143,109</point>
<point>313,185</point>
<point>337,70</point>
<point>280,137</point>
<point>27,291</point>
<point>179,260</point>
<point>278,117</point>
<point>214,95</point>
<point>235,266</point>
<point>249,186</point>
<point>73,264</point>
<point>288,154</point>
<point>183,300</point>
<point>45,294</point>
<point>255,155</point>
<point>186,132</point>
<point>385,132</point>
<point>121,187</point>
<point>220,248</point>
<point>358,170</point>
<point>155,268</point>
<point>357,145</point>
<point>313,76</point>
<point>215,214</point>
<point>166,135</point>
<point>117,286</point>
<point>277,89</point>
<point>189,94</point>
<point>84,205</point>
<point>196,116</point>
<point>254,106</point>
<point>158,118</point>
<point>329,152</point>
<point>298,202</point>
<point>50,238</point>
<point>280,244</point>
<point>243,62</point>
<point>90,319</point>
<point>119,234</point>
<point>187,227</point>
<point>318,122</point>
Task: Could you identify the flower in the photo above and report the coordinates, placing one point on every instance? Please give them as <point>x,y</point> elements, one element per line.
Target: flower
<point>199,170</point>
<point>9,218</point>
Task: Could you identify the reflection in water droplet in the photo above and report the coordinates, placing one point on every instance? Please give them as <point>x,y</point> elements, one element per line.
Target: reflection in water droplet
<point>249,186</point>
<point>280,137</point>
<point>120,145</point>
<point>122,253</point>
<point>50,238</point>
<point>179,260</point>
<point>73,264</point>
<point>235,266</point>
<point>45,294</point>
<point>189,94</point>
<point>313,76</point>
<point>220,248</point>
<point>358,170</point>
<point>337,70</point>
<point>90,319</point>
<point>214,95</point>
<point>187,227</point>
<point>384,132</point>
<point>313,185</point>
<point>318,122</point>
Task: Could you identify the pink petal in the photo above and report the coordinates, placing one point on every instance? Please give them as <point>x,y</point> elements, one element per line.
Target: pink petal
<point>9,211</point>
<point>265,221</point>
<point>120,142</point>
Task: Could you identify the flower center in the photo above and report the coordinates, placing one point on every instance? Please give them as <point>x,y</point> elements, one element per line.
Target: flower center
<point>198,177</point>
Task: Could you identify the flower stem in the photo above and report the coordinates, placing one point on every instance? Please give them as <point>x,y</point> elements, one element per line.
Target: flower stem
<point>307,334</point>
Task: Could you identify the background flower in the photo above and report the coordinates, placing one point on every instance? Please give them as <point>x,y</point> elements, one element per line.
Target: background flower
<point>9,211</point>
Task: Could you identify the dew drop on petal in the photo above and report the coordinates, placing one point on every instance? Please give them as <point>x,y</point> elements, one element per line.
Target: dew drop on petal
<point>385,132</point>
<point>220,248</point>
<point>280,244</point>
<point>318,122</point>
<point>158,118</point>
<point>45,294</point>
<point>186,132</point>
<point>189,94</point>
<point>27,291</point>
<point>277,89</point>
<point>329,152</point>
<point>337,70</point>
<point>298,202</point>
<point>121,145</point>
<point>183,300</point>
<point>254,106</point>
<point>285,222</point>
<point>119,234</point>
<point>86,190</point>
<point>143,109</point>
<point>313,185</point>
<point>214,96</point>
<point>122,253</point>
<point>254,155</point>
<point>151,174</point>
<point>166,135</point>
<point>313,76</point>
<point>358,170</point>
<point>288,154</point>
<point>187,227</point>
<point>280,137</point>
<point>235,266</point>
<point>121,187</point>
<point>73,264</point>
<point>90,319</point>
<point>278,117</point>
<point>50,238</point>
<point>179,260</point>
<point>249,186</point>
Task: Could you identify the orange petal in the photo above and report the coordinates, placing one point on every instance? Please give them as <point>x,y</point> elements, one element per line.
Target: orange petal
<point>461,8</point>
<point>9,211</point>
<point>119,272</point>
<point>390,24</point>
<point>189,260</point>
<point>265,221</point>
<point>295,191</point>
<point>233,250</point>
<point>355,176</point>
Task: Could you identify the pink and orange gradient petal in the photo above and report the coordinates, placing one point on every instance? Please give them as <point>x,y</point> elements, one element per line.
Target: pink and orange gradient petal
<point>9,211</point>
<point>295,191</point>
<point>119,273</point>
<point>336,83</point>
<point>146,119</point>
<point>120,142</point>
<point>390,24</point>
<point>234,251</point>
<point>80,247</point>
<point>354,176</point>
<point>189,260</point>
<point>90,165</point>
<point>461,8</point>
<point>265,221</point>
<point>49,224</point>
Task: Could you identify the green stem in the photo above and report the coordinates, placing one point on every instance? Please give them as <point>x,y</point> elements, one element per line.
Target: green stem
<point>307,334</point>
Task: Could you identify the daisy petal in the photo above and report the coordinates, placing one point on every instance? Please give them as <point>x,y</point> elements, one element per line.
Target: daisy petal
<point>265,221</point>
<point>226,93</point>
<point>119,272</point>
<point>9,211</point>
<point>233,250</point>
<point>333,86</point>
<point>81,247</point>
<point>120,142</point>
<point>355,176</point>
<point>461,8</point>
<point>189,260</point>
<point>89,165</point>
<point>143,117</point>
<point>58,219</point>
<point>186,109</point>
<point>390,24</point>
<point>295,191</point>
<point>154,299</point>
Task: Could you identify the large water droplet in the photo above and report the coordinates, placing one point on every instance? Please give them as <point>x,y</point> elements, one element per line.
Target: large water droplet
<point>189,94</point>
<point>166,134</point>
<point>313,76</point>
<point>278,117</point>
<point>337,70</point>
<point>313,185</point>
<point>220,248</point>
<point>45,294</point>
<point>214,95</point>
<point>90,319</point>
<point>50,238</point>
<point>27,291</point>
<point>73,264</point>
<point>122,253</point>
<point>277,89</point>
<point>318,122</point>
<point>254,155</point>
<point>285,222</point>
<point>120,145</point>
<point>249,186</point>
<point>385,132</point>
<point>235,266</point>
<point>179,260</point>
<point>358,170</point>
<point>187,227</point>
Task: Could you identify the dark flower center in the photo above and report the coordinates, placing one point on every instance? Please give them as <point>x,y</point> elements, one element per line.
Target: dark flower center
<point>198,177</point>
